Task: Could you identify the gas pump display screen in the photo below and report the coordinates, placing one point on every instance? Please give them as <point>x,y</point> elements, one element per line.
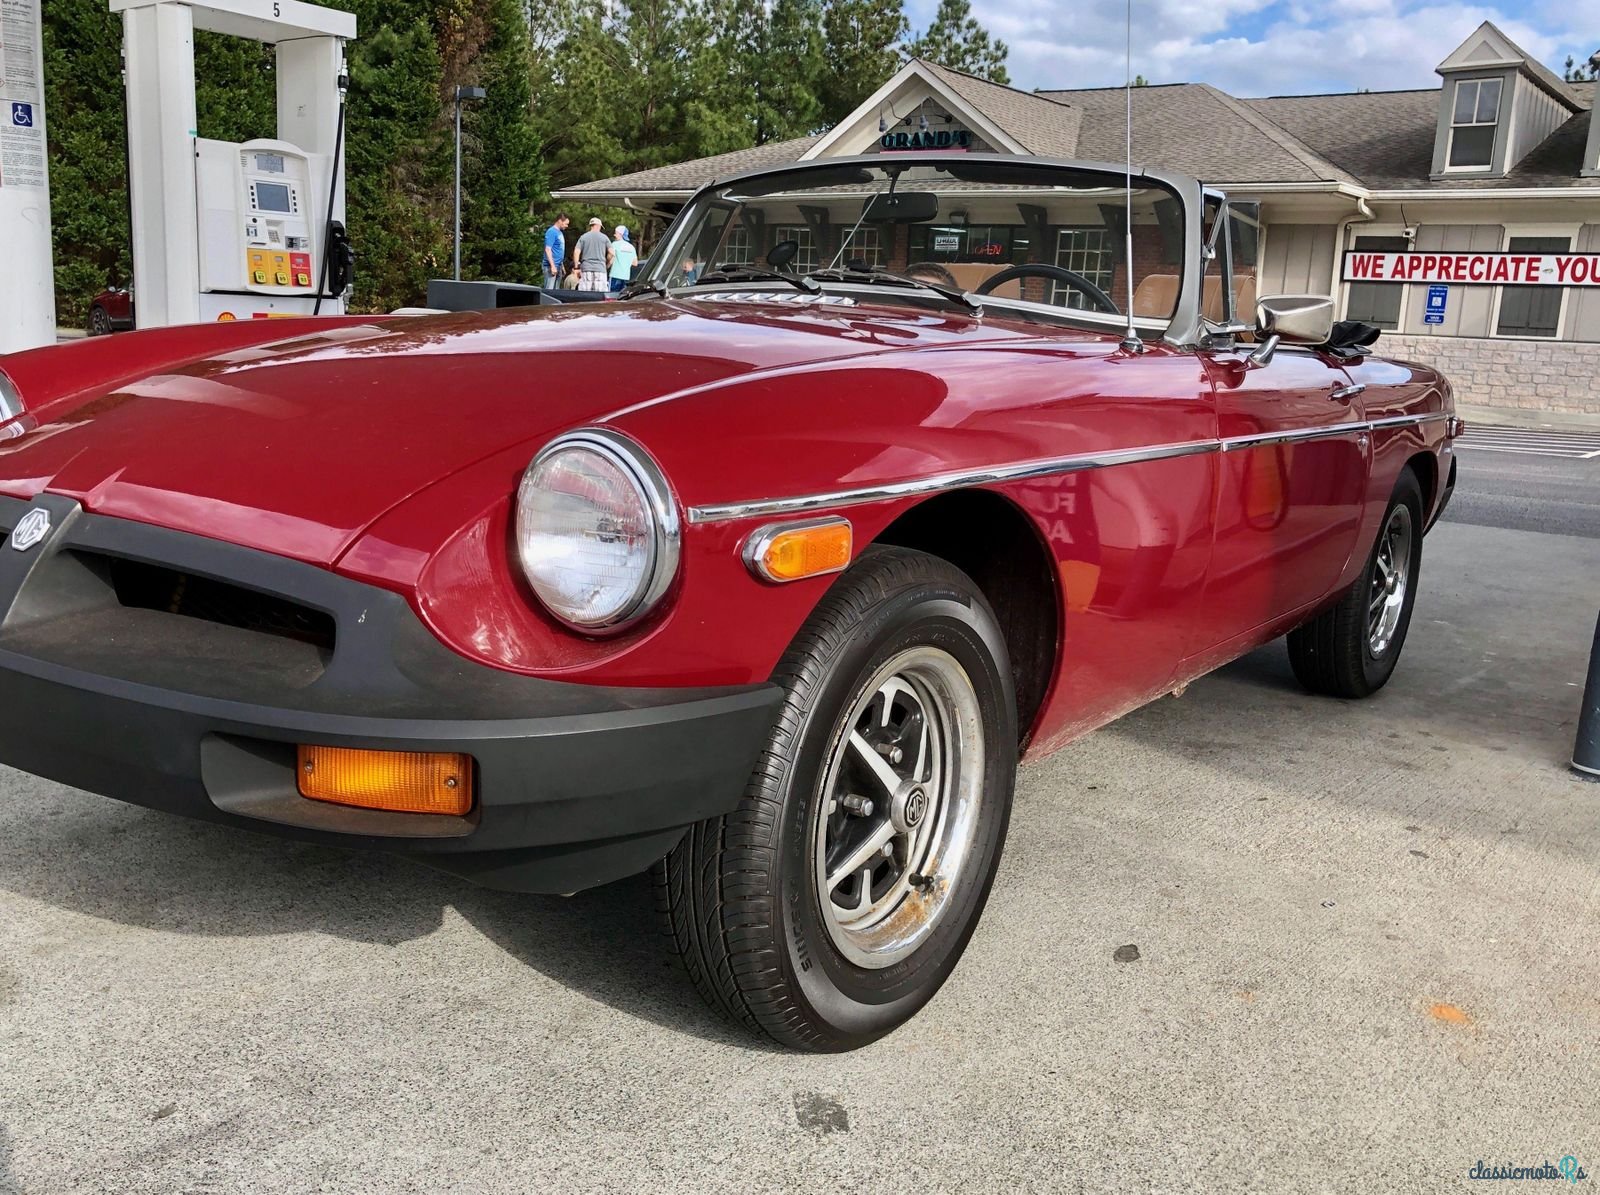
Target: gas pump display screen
<point>272,197</point>
<point>269,163</point>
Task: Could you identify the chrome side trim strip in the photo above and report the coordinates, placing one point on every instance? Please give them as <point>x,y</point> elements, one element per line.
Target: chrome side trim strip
<point>1407,420</point>
<point>946,481</point>
<point>1026,470</point>
<point>1234,443</point>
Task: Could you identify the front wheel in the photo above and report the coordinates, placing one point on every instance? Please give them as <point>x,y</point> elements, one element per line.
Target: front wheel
<point>833,903</point>
<point>1351,649</point>
<point>99,321</point>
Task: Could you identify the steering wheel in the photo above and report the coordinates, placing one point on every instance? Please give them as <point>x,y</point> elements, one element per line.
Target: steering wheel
<point>1101,300</point>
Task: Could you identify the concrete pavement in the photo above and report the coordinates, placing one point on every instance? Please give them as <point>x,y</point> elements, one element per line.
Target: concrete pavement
<point>1368,940</point>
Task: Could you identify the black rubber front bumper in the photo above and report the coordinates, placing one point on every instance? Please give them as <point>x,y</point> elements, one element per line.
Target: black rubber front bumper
<point>194,704</point>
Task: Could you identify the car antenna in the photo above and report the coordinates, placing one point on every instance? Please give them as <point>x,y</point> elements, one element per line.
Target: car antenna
<point>1130,340</point>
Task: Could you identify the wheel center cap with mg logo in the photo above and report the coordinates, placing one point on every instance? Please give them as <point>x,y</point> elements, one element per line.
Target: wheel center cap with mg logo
<point>35,525</point>
<point>909,807</point>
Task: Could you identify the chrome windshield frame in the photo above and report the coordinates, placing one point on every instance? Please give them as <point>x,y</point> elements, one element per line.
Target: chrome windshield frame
<point>1185,328</point>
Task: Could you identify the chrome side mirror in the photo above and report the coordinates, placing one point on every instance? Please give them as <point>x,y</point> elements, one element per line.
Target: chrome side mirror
<point>1291,319</point>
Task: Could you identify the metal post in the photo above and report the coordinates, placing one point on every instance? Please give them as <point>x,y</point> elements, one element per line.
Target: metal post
<point>458,185</point>
<point>462,93</point>
<point>1586,752</point>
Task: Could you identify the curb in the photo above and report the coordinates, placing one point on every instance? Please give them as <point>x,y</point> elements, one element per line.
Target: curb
<point>1571,421</point>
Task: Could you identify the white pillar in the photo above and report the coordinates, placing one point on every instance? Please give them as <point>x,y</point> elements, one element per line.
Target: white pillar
<point>308,108</point>
<point>159,43</point>
<point>27,276</point>
<point>308,100</point>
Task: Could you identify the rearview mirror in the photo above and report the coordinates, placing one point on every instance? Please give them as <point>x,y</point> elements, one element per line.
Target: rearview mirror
<point>902,207</point>
<point>1295,319</point>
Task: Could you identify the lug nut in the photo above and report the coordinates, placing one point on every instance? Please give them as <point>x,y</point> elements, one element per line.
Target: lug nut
<point>890,752</point>
<point>860,806</point>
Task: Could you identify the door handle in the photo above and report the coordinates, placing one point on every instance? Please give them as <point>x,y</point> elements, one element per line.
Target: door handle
<point>1345,393</point>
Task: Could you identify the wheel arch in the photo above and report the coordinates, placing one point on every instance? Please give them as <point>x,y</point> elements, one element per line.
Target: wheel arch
<point>994,542</point>
<point>1426,468</point>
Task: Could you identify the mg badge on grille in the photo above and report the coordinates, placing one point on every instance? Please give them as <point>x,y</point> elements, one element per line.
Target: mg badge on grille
<point>35,525</point>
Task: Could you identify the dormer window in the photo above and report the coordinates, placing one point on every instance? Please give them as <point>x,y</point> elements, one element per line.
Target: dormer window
<point>1473,122</point>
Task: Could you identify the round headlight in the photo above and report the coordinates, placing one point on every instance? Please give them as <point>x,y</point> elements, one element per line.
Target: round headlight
<point>597,531</point>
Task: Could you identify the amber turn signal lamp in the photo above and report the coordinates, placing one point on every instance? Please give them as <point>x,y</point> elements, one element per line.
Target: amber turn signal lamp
<point>793,551</point>
<point>400,781</point>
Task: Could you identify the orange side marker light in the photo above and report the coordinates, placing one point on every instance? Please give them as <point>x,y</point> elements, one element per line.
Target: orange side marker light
<point>794,551</point>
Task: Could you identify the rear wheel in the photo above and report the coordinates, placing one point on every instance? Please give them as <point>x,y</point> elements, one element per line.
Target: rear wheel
<point>1351,649</point>
<point>837,898</point>
<point>99,321</point>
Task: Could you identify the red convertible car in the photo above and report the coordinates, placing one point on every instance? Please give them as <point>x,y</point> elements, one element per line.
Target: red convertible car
<point>763,579</point>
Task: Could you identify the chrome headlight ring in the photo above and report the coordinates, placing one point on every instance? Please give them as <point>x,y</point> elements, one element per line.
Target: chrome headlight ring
<point>553,560</point>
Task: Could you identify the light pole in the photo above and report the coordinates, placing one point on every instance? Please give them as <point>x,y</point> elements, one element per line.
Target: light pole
<point>462,93</point>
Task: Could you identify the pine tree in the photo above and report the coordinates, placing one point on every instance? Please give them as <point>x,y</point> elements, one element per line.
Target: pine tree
<point>395,166</point>
<point>503,177</point>
<point>862,38</point>
<point>754,77</point>
<point>956,39</point>
<point>790,104</point>
<point>575,108</point>
<point>88,153</point>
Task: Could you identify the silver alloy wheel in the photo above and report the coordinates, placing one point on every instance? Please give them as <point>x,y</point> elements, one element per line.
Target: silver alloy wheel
<point>898,808</point>
<point>99,321</point>
<point>1391,577</point>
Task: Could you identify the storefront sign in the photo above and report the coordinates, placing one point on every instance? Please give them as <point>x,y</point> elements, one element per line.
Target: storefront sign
<point>932,139</point>
<point>1484,269</point>
<point>947,242</point>
<point>1438,300</point>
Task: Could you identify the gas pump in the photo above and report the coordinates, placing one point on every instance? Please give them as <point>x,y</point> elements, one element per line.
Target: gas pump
<point>225,230</point>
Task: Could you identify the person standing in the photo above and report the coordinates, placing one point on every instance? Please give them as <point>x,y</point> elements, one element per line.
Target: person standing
<point>555,250</point>
<point>623,257</point>
<point>593,255</point>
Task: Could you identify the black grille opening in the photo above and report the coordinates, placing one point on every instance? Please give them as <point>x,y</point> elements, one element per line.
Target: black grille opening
<point>152,587</point>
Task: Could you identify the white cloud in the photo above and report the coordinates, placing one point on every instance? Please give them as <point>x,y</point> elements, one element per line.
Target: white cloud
<point>1265,47</point>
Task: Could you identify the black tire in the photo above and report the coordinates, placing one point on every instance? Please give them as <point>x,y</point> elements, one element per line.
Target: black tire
<point>99,321</point>
<point>741,897</point>
<point>1334,653</point>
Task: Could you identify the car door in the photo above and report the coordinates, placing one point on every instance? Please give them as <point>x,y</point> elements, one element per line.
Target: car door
<point>1290,485</point>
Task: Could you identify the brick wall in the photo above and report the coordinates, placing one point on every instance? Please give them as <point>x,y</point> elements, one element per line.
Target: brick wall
<point>1537,375</point>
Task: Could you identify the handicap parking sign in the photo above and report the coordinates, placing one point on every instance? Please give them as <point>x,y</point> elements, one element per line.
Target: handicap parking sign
<point>22,115</point>
<point>1438,298</point>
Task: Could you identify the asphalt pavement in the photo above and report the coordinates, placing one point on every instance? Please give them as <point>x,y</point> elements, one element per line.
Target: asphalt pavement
<point>1368,956</point>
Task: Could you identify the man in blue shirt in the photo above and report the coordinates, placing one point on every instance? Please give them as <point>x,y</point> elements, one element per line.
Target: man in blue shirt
<point>555,251</point>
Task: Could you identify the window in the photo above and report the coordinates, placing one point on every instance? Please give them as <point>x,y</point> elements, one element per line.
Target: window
<point>738,249</point>
<point>1084,251</point>
<point>999,244</point>
<point>1472,124</point>
<point>806,260</point>
<point>1377,302</point>
<point>866,245</point>
<point>1532,310</point>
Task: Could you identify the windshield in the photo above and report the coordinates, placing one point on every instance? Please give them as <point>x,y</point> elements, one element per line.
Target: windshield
<point>1022,235</point>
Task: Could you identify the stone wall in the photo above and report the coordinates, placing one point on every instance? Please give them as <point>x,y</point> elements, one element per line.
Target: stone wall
<point>1530,375</point>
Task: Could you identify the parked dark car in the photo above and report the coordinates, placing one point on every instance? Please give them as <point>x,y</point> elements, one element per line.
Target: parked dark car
<point>111,311</point>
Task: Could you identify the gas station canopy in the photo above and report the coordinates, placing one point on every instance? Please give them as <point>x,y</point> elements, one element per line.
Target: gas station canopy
<point>262,20</point>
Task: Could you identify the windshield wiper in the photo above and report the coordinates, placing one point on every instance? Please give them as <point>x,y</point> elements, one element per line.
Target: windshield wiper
<point>743,273</point>
<point>879,276</point>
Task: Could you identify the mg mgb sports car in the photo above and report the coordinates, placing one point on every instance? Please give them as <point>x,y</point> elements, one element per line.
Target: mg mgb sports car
<point>762,580</point>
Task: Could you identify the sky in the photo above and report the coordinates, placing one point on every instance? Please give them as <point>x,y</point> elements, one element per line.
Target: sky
<point>1267,47</point>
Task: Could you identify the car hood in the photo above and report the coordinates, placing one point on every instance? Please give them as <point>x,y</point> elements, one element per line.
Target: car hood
<point>297,446</point>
